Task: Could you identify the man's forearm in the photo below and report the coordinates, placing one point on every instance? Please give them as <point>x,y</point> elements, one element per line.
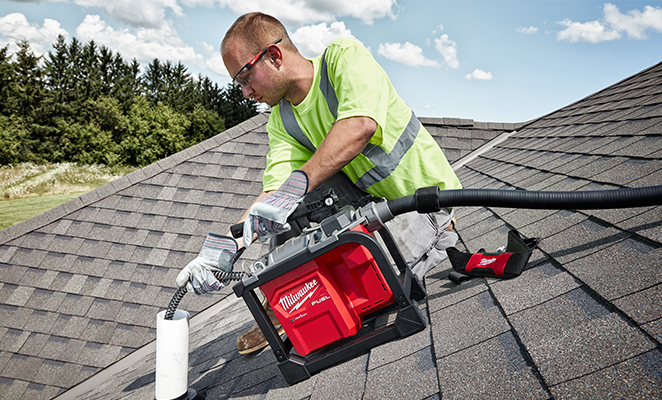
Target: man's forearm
<point>346,140</point>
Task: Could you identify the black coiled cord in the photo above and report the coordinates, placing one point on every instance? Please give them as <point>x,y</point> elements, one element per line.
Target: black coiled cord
<point>179,294</point>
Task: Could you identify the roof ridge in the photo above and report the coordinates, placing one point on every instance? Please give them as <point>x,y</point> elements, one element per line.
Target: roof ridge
<point>463,122</point>
<point>137,176</point>
<point>482,149</point>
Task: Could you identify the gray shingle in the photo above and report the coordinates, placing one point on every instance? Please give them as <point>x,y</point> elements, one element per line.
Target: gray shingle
<point>65,244</point>
<point>33,345</point>
<point>119,270</point>
<point>345,381</point>
<point>62,349</point>
<point>22,367</point>
<point>117,289</point>
<point>495,368</point>
<point>634,378</point>
<point>644,306</point>
<point>587,237</point>
<point>41,322</point>
<point>45,300</point>
<point>120,252</point>
<point>13,340</point>
<point>636,267</point>
<point>98,331</point>
<point>645,223</point>
<point>103,309</point>
<point>129,336</point>
<point>28,257</point>
<point>535,286</point>
<point>58,373</point>
<point>629,171</point>
<point>69,326</point>
<point>579,333</point>
<point>414,377</point>
<point>13,316</point>
<point>98,355</point>
<point>466,324</point>
<point>74,304</point>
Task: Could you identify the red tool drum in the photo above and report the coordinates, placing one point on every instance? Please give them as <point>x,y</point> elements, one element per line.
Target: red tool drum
<point>323,300</point>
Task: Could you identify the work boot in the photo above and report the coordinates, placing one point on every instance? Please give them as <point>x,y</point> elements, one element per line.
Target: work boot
<point>254,340</point>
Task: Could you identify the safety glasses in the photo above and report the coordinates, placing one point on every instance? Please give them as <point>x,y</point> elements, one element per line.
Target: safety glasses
<point>242,82</point>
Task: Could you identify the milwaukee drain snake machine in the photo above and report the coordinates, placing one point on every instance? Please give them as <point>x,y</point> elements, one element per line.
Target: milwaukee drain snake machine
<point>328,286</point>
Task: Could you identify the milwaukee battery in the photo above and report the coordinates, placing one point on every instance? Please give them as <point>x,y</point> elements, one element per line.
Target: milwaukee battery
<point>324,299</point>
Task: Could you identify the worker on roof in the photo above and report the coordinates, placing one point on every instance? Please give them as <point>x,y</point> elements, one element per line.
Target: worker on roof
<point>336,112</point>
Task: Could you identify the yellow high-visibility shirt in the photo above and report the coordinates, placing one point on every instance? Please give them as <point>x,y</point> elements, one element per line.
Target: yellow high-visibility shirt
<point>401,157</point>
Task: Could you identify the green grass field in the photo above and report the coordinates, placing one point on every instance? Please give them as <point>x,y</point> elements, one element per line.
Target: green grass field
<point>18,210</point>
<point>27,189</point>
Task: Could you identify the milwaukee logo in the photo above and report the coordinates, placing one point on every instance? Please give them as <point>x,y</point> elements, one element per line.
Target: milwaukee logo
<point>486,261</point>
<point>293,301</point>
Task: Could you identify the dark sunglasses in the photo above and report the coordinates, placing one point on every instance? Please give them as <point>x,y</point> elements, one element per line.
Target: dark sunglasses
<point>240,82</point>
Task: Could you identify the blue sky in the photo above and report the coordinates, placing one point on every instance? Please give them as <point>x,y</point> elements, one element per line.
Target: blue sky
<point>494,61</point>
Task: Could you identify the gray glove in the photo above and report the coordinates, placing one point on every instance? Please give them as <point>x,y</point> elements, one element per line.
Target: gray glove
<point>217,254</point>
<point>268,217</point>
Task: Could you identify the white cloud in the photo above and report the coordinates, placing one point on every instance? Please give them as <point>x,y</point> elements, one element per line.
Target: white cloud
<point>15,27</point>
<point>215,64</point>
<point>447,48</point>
<point>145,44</point>
<point>427,107</point>
<point>479,75</point>
<point>301,12</point>
<point>527,30</point>
<point>208,48</point>
<point>313,39</point>
<point>614,24</point>
<point>592,32</point>
<point>137,13</point>
<point>37,1</point>
<point>635,23</point>
<point>407,54</point>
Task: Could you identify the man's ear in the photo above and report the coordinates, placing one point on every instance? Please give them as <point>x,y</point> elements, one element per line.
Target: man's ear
<point>275,54</point>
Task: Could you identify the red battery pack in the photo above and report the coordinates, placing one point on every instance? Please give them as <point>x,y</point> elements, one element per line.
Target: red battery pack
<point>324,299</point>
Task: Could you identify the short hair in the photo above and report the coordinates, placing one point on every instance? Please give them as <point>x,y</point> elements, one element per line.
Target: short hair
<point>257,30</point>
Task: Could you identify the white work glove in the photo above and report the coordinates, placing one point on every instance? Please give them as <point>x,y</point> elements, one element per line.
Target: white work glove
<point>268,217</point>
<point>217,254</point>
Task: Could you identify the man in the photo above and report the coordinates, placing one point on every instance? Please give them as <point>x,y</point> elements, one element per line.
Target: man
<point>338,111</point>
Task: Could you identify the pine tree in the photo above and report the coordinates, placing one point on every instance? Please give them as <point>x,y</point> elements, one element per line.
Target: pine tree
<point>91,78</point>
<point>5,80</point>
<point>235,107</point>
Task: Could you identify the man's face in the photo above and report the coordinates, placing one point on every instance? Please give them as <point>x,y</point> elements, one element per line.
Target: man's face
<point>260,81</point>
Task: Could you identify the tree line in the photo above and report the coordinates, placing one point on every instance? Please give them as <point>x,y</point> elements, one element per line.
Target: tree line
<point>82,103</point>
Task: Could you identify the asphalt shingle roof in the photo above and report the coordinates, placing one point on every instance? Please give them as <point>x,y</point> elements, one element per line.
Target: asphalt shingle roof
<point>80,285</point>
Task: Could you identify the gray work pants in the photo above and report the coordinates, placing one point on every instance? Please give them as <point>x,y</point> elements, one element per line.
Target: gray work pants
<point>423,239</point>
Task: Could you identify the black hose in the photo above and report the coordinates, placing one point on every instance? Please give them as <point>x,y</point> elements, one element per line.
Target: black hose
<point>433,200</point>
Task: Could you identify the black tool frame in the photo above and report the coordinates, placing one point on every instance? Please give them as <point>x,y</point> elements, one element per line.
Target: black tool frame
<point>406,288</point>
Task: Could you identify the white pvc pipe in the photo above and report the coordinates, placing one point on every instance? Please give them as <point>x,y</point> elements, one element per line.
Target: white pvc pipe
<point>171,355</point>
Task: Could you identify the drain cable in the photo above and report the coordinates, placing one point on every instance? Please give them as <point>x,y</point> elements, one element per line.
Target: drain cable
<point>220,275</point>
